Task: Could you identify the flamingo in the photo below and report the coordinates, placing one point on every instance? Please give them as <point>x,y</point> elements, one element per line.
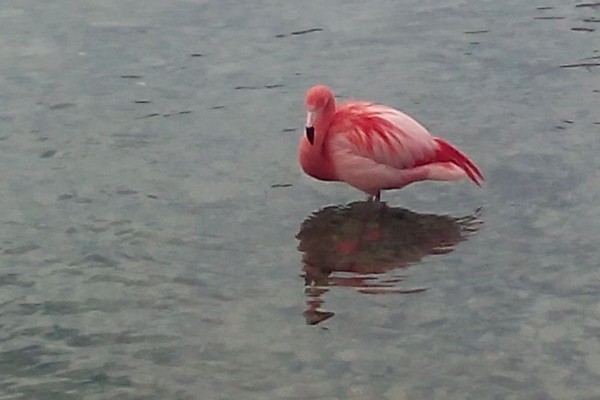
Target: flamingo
<point>374,147</point>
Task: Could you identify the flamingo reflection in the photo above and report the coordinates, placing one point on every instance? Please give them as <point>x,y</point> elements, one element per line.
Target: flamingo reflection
<point>365,244</point>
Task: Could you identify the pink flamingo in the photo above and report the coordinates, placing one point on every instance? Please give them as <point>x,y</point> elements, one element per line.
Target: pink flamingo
<point>374,147</point>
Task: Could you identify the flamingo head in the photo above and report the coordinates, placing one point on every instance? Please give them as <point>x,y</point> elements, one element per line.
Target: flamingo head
<point>317,99</point>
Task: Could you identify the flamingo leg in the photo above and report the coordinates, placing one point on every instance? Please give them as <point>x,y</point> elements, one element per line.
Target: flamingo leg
<point>376,197</point>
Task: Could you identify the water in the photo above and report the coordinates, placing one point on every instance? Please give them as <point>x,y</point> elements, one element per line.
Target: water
<point>151,201</point>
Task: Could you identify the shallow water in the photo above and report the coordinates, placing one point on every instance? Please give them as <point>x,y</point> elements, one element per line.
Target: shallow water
<point>151,201</point>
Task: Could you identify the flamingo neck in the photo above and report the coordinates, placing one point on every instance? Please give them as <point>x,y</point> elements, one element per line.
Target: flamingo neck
<point>313,157</point>
<point>322,124</point>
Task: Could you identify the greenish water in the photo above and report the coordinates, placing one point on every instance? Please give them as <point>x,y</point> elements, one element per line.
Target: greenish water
<point>150,201</point>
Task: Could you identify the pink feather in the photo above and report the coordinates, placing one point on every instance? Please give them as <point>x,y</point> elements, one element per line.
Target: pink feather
<point>374,147</point>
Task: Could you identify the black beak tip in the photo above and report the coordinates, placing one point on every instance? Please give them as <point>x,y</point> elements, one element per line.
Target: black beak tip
<point>310,134</point>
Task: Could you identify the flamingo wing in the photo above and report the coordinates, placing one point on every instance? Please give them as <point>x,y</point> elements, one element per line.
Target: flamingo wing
<point>383,134</point>
<point>376,147</point>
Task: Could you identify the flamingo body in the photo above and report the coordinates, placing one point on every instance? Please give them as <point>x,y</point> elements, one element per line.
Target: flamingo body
<point>374,147</point>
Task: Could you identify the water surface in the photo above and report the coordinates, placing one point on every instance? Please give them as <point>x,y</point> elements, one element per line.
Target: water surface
<point>151,201</point>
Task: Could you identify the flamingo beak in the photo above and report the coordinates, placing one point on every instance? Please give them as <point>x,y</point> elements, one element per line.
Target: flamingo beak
<point>310,134</point>
<point>310,129</point>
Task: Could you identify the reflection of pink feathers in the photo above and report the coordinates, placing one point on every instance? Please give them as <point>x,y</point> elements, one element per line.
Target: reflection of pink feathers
<point>373,147</point>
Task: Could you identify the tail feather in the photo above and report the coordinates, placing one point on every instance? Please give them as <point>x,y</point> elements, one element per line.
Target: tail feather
<point>447,152</point>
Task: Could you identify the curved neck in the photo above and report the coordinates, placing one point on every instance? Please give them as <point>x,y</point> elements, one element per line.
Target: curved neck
<point>322,124</point>
<point>313,157</point>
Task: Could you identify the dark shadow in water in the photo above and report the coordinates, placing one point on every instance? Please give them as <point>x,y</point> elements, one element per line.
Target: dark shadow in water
<point>364,244</point>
